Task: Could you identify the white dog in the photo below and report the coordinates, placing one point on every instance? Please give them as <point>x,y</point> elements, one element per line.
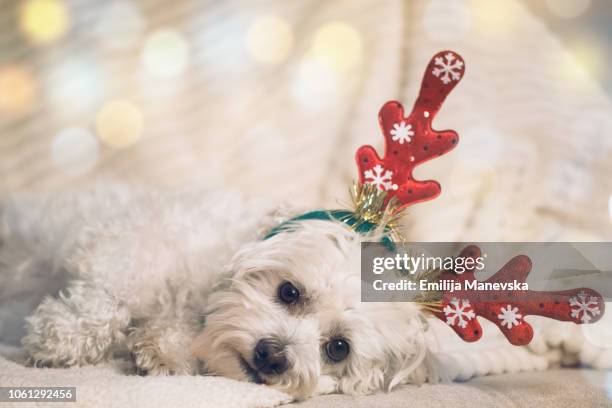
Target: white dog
<point>185,283</point>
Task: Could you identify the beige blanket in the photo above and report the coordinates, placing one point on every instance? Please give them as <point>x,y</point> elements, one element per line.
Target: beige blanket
<point>550,389</point>
<point>107,386</point>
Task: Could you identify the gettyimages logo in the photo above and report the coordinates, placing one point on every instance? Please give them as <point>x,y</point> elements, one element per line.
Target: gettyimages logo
<point>417,270</point>
<point>412,264</point>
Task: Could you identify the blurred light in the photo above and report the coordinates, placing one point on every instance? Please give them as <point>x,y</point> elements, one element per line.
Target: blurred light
<point>446,20</point>
<point>165,54</point>
<point>588,54</point>
<point>610,207</point>
<point>269,40</point>
<point>494,17</point>
<point>219,45</point>
<point>587,62</point>
<point>76,85</point>
<point>568,8</point>
<point>43,21</point>
<point>315,85</point>
<point>17,89</point>
<point>572,72</point>
<point>120,25</point>
<point>338,45</point>
<point>75,151</point>
<point>119,123</point>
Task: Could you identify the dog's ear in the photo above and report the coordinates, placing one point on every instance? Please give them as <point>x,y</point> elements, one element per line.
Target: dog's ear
<point>413,361</point>
<point>402,371</point>
<point>421,368</point>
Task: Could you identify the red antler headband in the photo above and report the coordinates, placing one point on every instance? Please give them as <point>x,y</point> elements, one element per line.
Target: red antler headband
<point>507,309</point>
<point>386,185</point>
<point>409,141</point>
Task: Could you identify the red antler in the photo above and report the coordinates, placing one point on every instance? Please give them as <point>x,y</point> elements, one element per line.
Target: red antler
<point>507,308</point>
<point>410,141</point>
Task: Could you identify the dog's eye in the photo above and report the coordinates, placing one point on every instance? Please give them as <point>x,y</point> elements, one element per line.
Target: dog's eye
<point>288,293</point>
<point>337,349</point>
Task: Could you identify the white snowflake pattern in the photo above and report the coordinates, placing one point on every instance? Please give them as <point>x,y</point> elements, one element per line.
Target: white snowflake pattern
<point>447,68</point>
<point>402,132</point>
<point>584,307</point>
<point>510,316</point>
<point>459,311</point>
<point>380,177</point>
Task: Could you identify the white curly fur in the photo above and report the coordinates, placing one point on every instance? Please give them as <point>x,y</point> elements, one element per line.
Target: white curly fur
<point>183,281</point>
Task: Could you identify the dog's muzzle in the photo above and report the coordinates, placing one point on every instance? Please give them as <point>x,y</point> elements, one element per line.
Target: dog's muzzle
<point>269,357</point>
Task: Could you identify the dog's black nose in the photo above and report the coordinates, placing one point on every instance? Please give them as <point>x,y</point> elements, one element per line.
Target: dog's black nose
<point>269,357</point>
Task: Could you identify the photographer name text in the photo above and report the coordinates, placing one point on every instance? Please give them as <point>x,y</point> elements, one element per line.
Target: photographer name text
<point>446,285</point>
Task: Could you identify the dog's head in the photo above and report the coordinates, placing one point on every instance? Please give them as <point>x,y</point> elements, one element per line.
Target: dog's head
<point>292,318</point>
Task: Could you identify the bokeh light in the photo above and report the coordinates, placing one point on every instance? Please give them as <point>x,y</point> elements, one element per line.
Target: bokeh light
<point>568,8</point>
<point>165,54</point>
<point>447,20</point>
<point>17,90</point>
<point>316,85</point>
<point>120,25</point>
<point>44,21</point>
<point>269,40</point>
<point>493,18</point>
<point>219,45</point>
<point>337,45</point>
<point>584,63</point>
<point>588,54</point>
<point>76,85</point>
<point>119,123</point>
<point>75,151</point>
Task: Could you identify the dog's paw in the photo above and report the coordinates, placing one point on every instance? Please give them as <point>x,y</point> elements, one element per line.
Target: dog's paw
<point>156,354</point>
<point>79,327</point>
<point>44,362</point>
<point>149,360</point>
<point>326,385</point>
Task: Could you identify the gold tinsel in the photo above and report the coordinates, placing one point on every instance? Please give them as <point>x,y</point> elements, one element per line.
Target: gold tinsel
<point>370,205</point>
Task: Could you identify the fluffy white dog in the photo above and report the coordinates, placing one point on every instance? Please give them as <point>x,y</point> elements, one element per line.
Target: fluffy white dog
<point>185,284</point>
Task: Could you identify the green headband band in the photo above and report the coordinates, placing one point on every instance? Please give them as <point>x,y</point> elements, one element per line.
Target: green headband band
<point>346,217</point>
